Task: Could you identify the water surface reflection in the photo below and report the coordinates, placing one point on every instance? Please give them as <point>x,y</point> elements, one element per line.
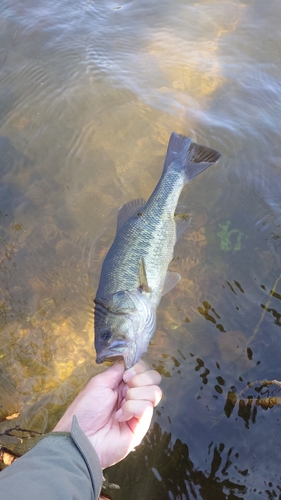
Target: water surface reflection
<point>89,95</point>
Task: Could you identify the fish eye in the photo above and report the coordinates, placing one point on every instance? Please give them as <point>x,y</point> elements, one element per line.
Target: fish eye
<point>105,335</point>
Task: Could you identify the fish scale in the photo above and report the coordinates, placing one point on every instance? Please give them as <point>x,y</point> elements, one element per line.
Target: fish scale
<point>134,274</point>
<point>144,236</point>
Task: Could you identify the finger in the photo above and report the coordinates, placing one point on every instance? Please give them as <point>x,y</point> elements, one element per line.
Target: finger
<point>139,427</point>
<point>134,408</point>
<point>149,377</point>
<point>111,377</point>
<point>150,393</point>
<point>139,367</point>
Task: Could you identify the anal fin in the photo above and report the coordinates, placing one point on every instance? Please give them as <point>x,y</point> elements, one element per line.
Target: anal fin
<point>170,282</point>
<point>182,221</point>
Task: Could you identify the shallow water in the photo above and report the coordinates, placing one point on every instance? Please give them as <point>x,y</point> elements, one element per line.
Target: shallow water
<point>89,95</point>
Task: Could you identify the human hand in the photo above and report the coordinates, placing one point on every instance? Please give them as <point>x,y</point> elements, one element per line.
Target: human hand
<point>114,410</point>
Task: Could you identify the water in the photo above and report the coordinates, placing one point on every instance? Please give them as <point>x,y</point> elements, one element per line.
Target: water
<point>90,92</point>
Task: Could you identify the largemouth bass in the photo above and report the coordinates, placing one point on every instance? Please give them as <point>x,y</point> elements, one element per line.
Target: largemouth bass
<point>135,273</point>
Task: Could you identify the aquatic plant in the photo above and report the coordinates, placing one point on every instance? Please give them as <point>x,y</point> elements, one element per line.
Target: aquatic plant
<point>226,239</point>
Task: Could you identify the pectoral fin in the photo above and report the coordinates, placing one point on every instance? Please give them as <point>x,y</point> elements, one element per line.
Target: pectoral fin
<point>143,285</point>
<point>182,221</point>
<point>128,210</point>
<point>170,282</point>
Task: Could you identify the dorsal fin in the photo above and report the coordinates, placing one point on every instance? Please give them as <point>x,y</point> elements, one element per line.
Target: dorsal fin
<point>128,210</point>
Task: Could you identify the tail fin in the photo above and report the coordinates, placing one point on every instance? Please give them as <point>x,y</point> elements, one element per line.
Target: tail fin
<point>193,157</point>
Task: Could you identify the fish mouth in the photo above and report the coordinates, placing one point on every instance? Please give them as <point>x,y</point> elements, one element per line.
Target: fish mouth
<point>113,352</point>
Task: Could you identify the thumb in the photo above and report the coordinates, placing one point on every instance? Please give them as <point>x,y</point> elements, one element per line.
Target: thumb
<point>111,377</point>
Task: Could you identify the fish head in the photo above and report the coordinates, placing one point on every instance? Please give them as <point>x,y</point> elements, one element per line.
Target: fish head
<point>124,325</point>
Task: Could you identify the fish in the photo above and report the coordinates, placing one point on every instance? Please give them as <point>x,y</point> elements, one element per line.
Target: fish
<point>134,274</point>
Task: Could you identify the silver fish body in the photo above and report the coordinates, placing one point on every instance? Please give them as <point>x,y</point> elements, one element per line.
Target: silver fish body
<point>135,273</point>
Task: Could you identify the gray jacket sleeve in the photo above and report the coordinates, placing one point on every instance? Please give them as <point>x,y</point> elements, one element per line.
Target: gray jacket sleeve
<point>61,466</point>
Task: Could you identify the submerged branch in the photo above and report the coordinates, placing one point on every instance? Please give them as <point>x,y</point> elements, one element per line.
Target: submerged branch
<point>264,383</point>
<point>17,428</point>
<point>257,327</point>
<point>263,402</point>
<point>249,401</point>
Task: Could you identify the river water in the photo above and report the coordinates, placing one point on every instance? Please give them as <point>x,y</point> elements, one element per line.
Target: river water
<point>90,92</point>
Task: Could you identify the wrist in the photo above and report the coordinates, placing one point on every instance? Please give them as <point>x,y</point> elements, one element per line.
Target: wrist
<point>62,426</point>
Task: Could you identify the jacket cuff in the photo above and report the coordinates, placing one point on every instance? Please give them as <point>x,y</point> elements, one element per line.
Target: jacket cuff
<point>88,453</point>
<point>61,465</point>
<point>86,450</point>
